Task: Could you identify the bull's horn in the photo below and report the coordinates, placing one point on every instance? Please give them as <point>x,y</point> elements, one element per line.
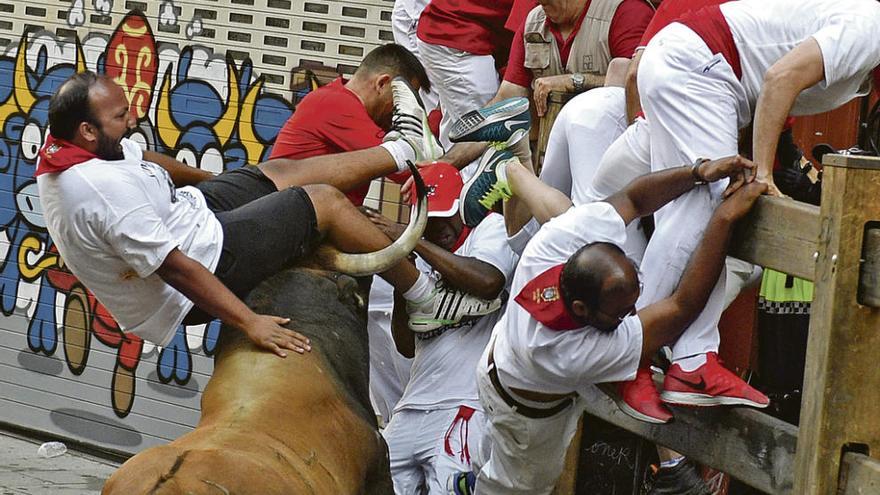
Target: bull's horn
<point>367,264</point>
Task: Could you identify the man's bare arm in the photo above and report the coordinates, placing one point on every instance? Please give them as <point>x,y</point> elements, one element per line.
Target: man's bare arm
<point>648,193</point>
<point>541,200</point>
<point>664,321</point>
<point>798,70</point>
<point>633,103</point>
<point>181,174</point>
<point>464,273</point>
<point>201,287</point>
<point>404,338</point>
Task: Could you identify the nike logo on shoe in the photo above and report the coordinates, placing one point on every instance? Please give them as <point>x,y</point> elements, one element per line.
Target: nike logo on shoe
<point>510,123</point>
<point>701,385</point>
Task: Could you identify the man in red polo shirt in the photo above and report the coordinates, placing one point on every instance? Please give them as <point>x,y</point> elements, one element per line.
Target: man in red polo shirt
<point>353,115</point>
<point>596,31</point>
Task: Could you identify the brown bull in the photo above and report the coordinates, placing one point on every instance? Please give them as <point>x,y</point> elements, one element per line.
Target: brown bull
<point>300,425</point>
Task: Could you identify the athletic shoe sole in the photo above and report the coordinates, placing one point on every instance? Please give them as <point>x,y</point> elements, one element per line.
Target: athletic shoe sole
<point>629,411</point>
<point>704,400</point>
<point>475,120</point>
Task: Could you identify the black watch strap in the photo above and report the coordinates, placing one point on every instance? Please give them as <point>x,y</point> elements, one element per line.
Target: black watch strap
<point>695,171</point>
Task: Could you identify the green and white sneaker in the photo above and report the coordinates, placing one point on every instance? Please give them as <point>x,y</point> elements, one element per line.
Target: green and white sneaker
<point>447,306</point>
<point>486,187</point>
<point>409,122</point>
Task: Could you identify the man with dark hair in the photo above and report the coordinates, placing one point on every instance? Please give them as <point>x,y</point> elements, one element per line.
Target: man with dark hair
<point>350,116</point>
<point>438,421</point>
<point>353,115</point>
<point>157,256</point>
<point>573,321</point>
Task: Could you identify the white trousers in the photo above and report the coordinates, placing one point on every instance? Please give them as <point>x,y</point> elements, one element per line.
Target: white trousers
<point>463,81</point>
<point>417,445</point>
<point>404,23</point>
<point>587,135</point>
<point>695,106</point>
<point>583,131</point>
<point>389,371</point>
<point>520,455</point>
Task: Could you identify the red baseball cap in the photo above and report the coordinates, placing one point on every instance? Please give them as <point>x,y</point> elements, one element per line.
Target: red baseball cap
<point>444,186</point>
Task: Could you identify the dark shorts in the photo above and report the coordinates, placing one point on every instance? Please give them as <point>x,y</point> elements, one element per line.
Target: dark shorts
<point>264,230</point>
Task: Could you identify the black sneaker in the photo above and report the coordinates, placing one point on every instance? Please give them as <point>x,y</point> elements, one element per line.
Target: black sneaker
<point>681,479</point>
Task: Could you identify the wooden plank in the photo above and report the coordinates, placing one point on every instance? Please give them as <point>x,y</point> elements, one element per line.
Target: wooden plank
<point>555,101</point>
<point>781,234</point>
<point>745,443</point>
<point>841,379</point>
<point>859,475</point>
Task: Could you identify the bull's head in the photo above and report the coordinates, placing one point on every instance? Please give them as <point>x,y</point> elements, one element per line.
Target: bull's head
<point>367,264</point>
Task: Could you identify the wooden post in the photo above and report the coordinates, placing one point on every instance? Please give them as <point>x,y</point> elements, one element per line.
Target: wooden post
<point>555,102</point>
<point>842,378</point>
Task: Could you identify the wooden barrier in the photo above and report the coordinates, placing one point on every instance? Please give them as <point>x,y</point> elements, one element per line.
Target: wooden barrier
<point>836,448</point>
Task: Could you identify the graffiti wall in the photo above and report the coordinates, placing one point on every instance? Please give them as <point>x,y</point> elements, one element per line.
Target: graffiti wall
<point>67,369</point>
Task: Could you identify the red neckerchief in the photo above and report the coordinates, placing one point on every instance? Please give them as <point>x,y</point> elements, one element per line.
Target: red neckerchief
<point>58,155</point>
<point>465,232</point>
<point>542,298</point>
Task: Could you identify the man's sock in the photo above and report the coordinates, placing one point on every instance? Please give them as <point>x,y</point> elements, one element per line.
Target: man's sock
<point>691,363</point>
<point>671,463</point>
<point>401,151</point>
<point>420,290</point>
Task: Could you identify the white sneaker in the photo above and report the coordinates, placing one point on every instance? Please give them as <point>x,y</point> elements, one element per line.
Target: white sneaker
<point>410,122</point>
<point>447,306</point>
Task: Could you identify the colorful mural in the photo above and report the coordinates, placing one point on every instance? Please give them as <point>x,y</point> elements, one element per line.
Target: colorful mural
<point>206,110</point>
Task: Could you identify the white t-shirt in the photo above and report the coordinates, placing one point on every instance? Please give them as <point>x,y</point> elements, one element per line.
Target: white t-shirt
<point>444,367</point>
<point>114,222</point>
<point>847,31</point>
<point>530,356</point>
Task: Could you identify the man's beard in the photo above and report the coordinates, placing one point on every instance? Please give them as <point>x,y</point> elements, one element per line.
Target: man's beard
<point>109,148</point>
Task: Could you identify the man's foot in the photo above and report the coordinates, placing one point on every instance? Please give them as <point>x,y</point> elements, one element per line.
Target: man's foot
<point>461,483</point>
<point>410,122</point>
<point>681,479</point>
<point>495,123</point>
<point>485,187</point>
<point>446,306</point>
<point>709,385</point>
<point>639,398</point>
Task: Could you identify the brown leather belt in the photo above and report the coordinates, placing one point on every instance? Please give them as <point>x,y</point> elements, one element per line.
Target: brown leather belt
<point>529,412</point>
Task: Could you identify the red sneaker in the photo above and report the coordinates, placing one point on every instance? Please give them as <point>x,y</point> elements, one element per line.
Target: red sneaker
<point>639,398</point>
<point>709,385</point>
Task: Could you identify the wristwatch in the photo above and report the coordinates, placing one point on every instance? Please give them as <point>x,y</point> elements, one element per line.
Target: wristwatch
<point>695,171</point>
<point>578,81</point>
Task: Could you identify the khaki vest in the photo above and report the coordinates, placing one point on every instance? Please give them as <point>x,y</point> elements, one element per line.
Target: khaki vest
<point>590,53</point>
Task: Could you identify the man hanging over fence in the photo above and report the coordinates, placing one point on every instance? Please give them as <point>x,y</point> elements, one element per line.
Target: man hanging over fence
<point>574,322</point>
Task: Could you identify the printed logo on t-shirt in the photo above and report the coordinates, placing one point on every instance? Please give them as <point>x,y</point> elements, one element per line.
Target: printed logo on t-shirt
<point>159,173</point>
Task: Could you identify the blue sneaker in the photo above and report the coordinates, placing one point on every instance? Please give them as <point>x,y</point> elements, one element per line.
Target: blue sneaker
<point>495,123</point>
<point>461,483</point>
<point>486,187</point>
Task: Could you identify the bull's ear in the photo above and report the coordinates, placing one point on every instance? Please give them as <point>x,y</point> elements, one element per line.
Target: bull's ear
<point>350,292</point>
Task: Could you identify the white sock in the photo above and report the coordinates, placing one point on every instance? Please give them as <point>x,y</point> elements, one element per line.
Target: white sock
<point>672,462</point>
<point>401,151</point>
<point>420,289</point>
<point>691,363</point>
